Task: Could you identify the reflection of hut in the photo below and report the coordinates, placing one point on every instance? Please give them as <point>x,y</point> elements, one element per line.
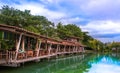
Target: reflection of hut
<point>20,45</point>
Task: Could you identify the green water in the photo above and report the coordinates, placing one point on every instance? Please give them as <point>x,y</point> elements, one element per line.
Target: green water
<point>87,63</point>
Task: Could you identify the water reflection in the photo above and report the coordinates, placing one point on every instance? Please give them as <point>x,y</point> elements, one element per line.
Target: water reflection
<point>105,64</point>
<point>88,63</point>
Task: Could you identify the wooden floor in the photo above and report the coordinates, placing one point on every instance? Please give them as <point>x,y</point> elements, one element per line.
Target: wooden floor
<point>4,62</point>
<point>32,58</point>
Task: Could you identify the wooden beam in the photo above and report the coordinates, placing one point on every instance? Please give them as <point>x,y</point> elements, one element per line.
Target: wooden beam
<point>64,48</point>
<point>83,50</point>
<point>39,45</point>
<point>74,49</point>
<point>57,48</point>
<point>49,49</point>
<point>18,46</point>
<point>23,43</point>
<point>36,46</point>
<point>69,48</point>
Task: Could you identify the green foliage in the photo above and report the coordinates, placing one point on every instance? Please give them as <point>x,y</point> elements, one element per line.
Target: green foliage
<point>6,44</point>
<point>41,25</point>
<point>74,30</point>
<point>68,30</point>
<point>32,29</point>
<point>62,31</point>
<point>109,46</point>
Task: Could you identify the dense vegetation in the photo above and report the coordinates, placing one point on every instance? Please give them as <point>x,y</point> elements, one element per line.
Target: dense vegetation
<point>41,25</point>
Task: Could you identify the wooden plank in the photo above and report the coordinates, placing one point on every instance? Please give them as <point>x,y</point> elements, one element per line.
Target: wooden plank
<point>32,59</point>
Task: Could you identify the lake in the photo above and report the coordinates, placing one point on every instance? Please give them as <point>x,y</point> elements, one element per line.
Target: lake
<point>84,63</point>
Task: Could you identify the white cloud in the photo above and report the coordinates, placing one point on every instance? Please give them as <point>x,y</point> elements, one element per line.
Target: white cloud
<point>71,20</point>
<point>102,27</point>
<point>39,9</point>
<point>107,9</point>
<point>117,39</point>
<point>104,14</point>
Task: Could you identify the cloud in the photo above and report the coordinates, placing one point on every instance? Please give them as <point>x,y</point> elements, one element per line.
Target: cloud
<point>71,20</point>
<point>108,39</point>
<point>99,17</point>
<point>103,30</point>
<point>102,9</point>
<point>38,9</point>
<point>102,27</point>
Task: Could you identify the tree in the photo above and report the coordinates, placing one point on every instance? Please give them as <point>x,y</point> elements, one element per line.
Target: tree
<point>41,25</point>
<point>74,30</point>
<point>24,19</point>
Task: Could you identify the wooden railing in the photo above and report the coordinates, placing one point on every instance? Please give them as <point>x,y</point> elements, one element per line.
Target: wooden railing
<point>10,55</point>
<point>3,54</point>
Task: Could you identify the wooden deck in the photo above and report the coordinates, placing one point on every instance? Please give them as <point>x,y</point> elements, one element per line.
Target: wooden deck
<point>26,50</point>
<point>31,59</point>
<point>41,57</point>
<point>18,61</point>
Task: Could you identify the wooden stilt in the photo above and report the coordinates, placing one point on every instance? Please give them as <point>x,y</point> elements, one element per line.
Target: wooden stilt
<point>49,49</point>
<point>18,46</point>
<point>57,51</point>
<point>23,44</point>
<point>36,49</point>
<point>39,47</point>
<point>69,49</point>
<point>64,48</point>
<point>74,49</point>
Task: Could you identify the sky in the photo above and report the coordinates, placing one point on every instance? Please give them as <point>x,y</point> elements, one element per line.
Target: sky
<point>101,18</point>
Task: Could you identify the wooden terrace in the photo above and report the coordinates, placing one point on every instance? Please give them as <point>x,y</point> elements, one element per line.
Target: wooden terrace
<point>29,46</point>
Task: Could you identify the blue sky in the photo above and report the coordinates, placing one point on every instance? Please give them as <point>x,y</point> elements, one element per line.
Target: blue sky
<point>101,18</point>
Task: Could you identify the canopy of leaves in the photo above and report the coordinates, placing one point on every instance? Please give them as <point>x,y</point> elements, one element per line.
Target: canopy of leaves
<point>41,25</point>
<point>24,19</point>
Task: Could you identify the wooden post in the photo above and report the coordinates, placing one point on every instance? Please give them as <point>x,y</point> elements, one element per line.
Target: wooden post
<point>23,44</point>
<point>72,49</point>
<point>83,50</point>
<point>39,45</point>
<point>46,45</point>
<point>75,49</point>
<point>49,49</point>
<point>69,49</point>
<point>36,48</point>
<point>64,48</point>
<point>57,49</point>
<point>80,48</point>
<point>18,46</point>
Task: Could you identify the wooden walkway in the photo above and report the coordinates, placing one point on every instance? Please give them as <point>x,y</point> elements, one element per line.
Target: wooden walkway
<point>31,59</point>
<point>29,46</point>
<point>12,62</point>
<point>40,57</point>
